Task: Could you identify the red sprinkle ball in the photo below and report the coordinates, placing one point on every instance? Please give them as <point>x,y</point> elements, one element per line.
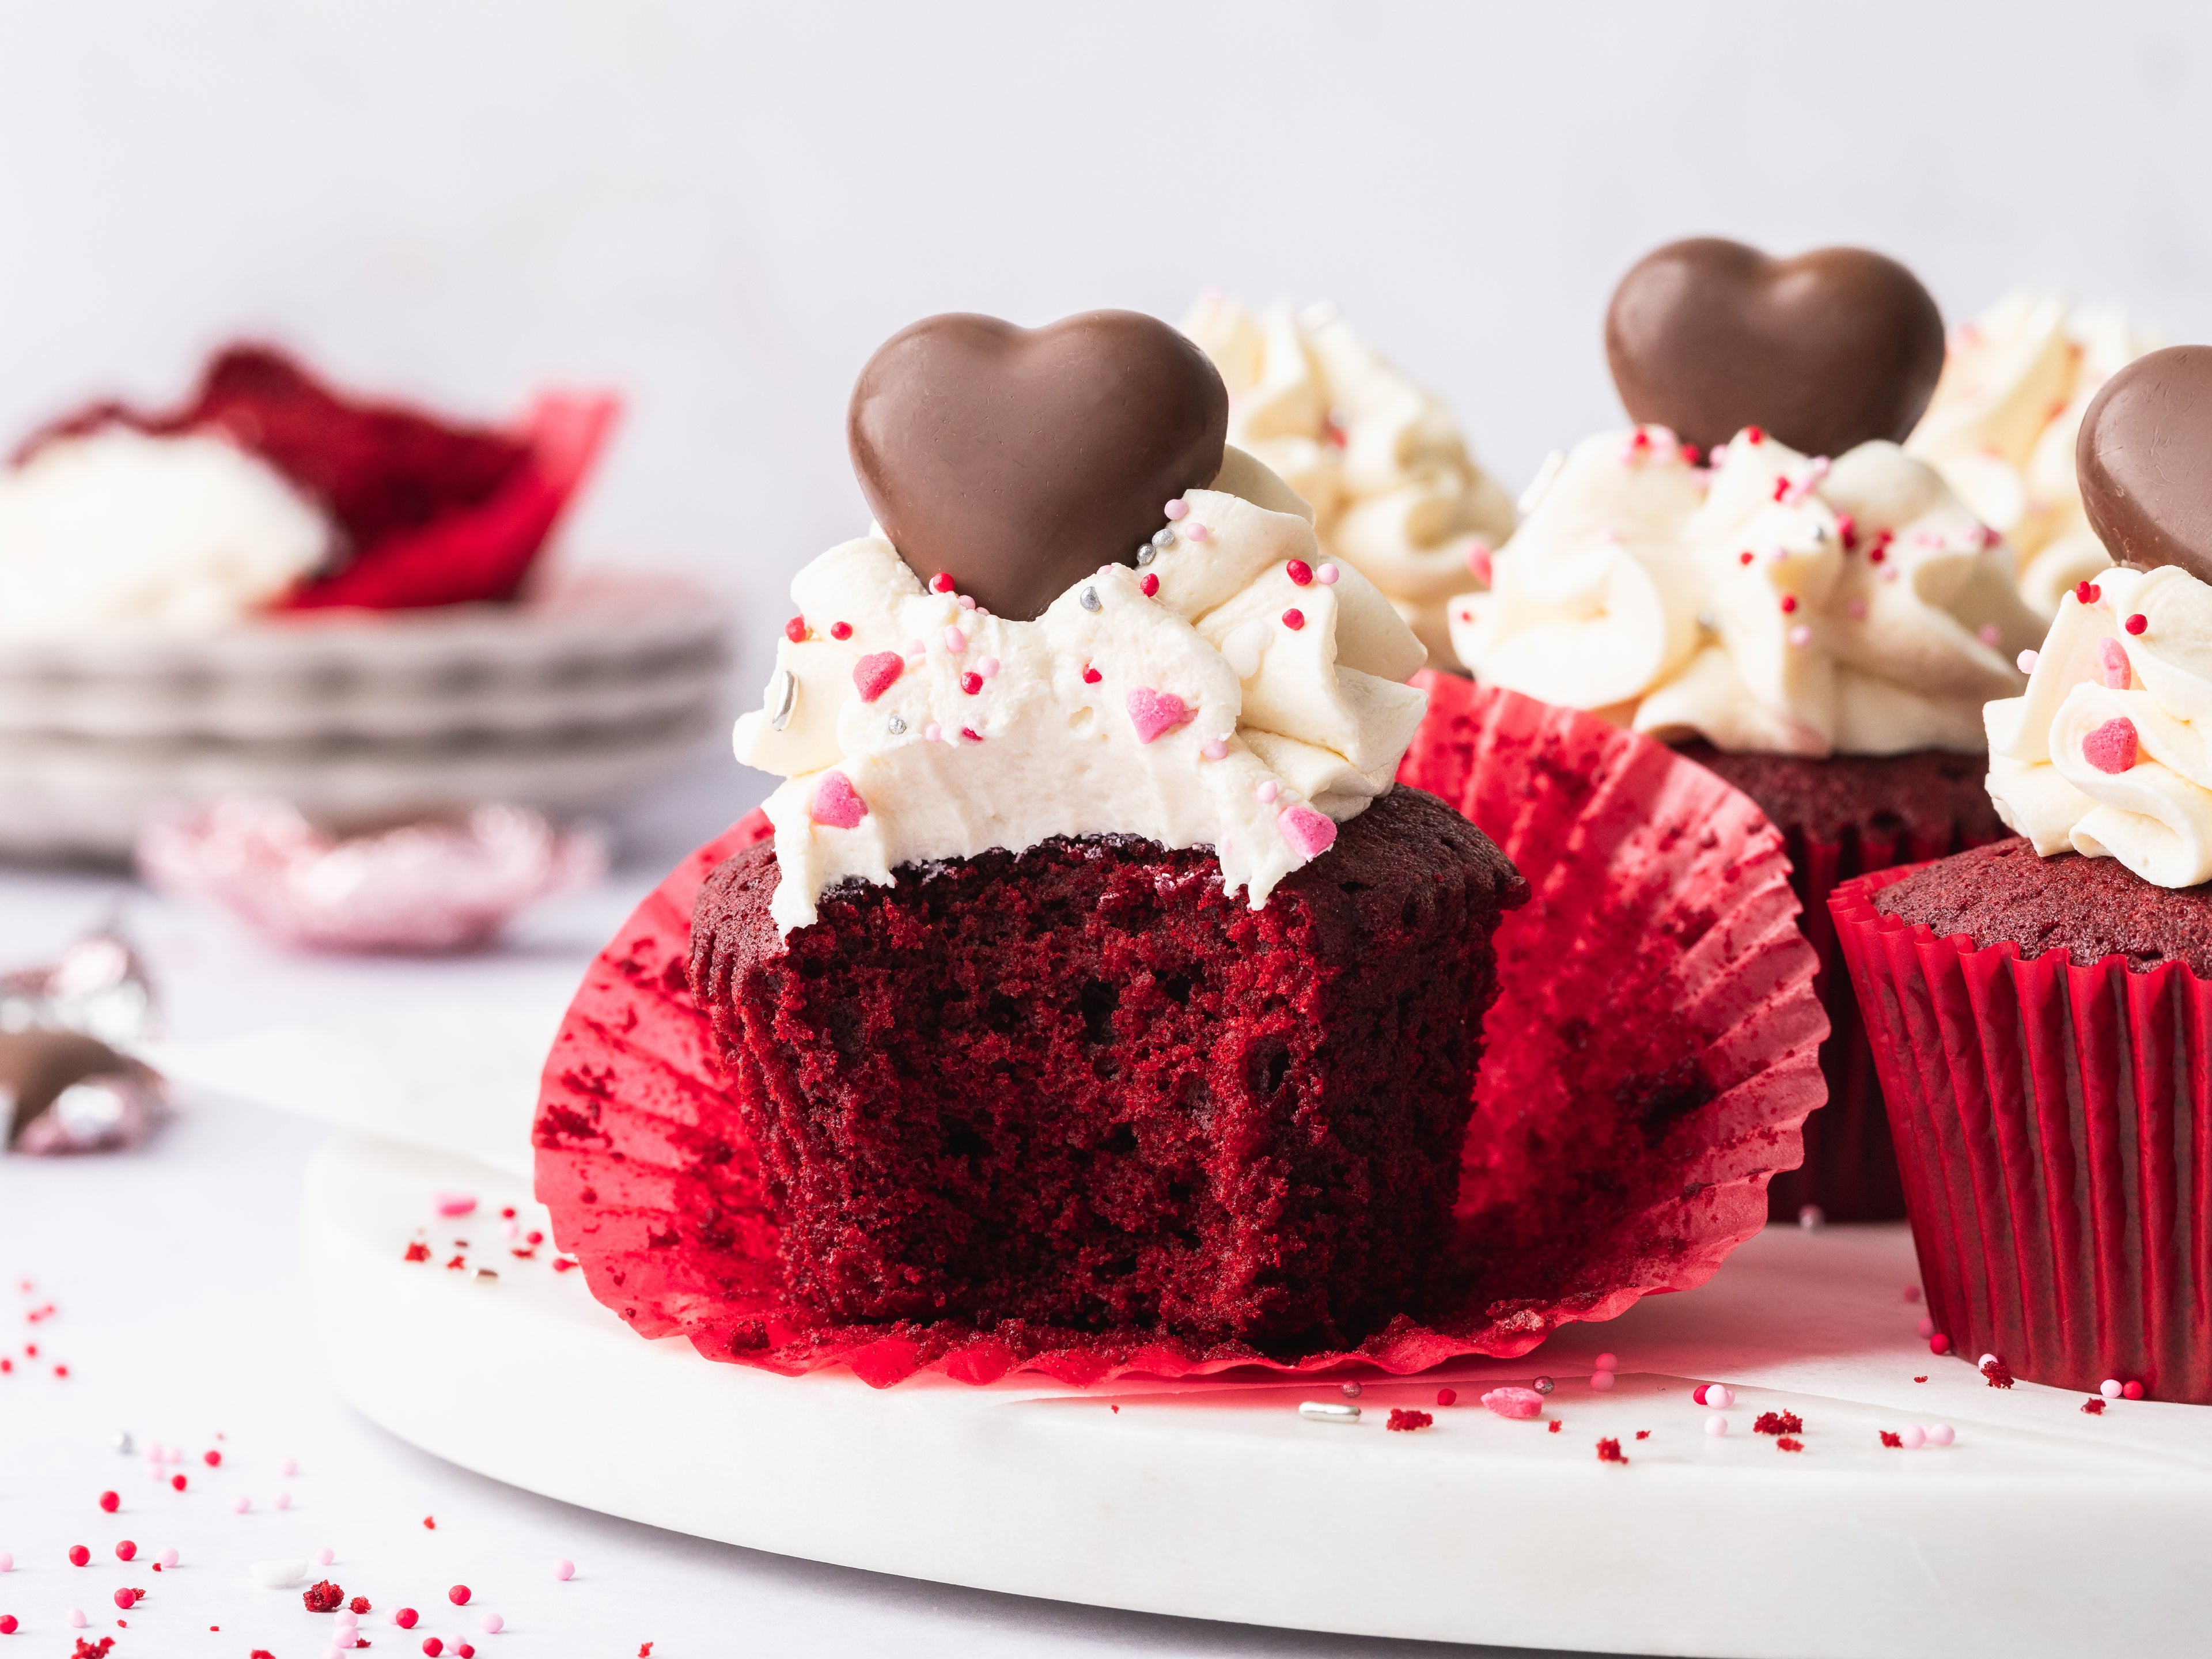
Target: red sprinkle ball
<point>1745,557</point>
<point>1788,603</point>
<point>2131,1390</point>
<point>177,1481</point>
<point>2136,623</point>
<point>1751,435</point>
<point>110,1502</point>
<point>212,1459</point>
<point>841,631</point>
<point>1300,572</point>
<point>1787,1444</point>
<point>971,683</point>
<point>126,1550</point>
<point>795,630</point>
<point>1939,1343</point>
<point>79,1555</point>
<point>323,1596</point>
<point>459,1596</point>
<point>1092,676</point>
<point>2088,592</point>
<point>1609,1452</point>
<point>1778,1422</point>
<point>128,1599</point>
<point>1404,1422</point>
<point>1448,1397</point>
<point>940,583</point>
<point>1150,585</point>
<point>8,1624</point>
<point>1894,1442</point>
<point>2095,1405</point>
<point>432,1646</point>
<point>405,1617</point>
<point>1294,619</point>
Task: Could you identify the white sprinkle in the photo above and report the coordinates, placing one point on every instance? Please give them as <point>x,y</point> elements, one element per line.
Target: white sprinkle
<point>1940,1434</point>
<point>1913,1437</point>
<point>1267,791</point>
<point>1719,1396</point>
<point>1325,576</point>
<point>1801,635</point>
<point>933,732</point>
<point>955,641</point>
<point>1985,1362</point>
<point>1327,1410</point>
<point>1716,1425</point>
<point>325,1556</point>
<point>283,1500</point>
<point>986,666</point>
<point>1214,748</point>
<point>967,602</point>
<point>2111,1388</point>
<point>2026,661</point>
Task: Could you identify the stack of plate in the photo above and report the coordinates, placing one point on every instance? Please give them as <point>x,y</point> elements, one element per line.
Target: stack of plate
<point>564,701</point>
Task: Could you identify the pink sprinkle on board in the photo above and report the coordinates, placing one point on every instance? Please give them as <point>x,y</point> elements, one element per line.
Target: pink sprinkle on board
<point>1155,714</point>
<point>875,673</point>
<point>1520,1404</point>
<point>2112,748</point>
<point>836,803</point>
<point>454,1203</point>
<point>1310,833</point>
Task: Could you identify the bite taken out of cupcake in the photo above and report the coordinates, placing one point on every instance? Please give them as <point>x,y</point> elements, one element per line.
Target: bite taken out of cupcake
<point>2002,425</point>
<point>1758,573</point>
<point>2038,1007</point>
<point>1379,458</point>
<point>1095,974</point>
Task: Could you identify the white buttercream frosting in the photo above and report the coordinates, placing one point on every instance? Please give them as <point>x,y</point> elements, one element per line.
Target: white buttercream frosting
<point>2002,424</point>
<point>1394,492</point>
<point>118,529</point>
<point>2109,752</point>
<point>1252,700</point>
<point>1773,602</point>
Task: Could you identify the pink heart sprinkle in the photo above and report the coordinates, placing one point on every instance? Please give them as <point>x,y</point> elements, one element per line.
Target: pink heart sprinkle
<point>2113,657</point>
<point>875,673</point>
<point>1514,1402</point>
<point>836,803</point>
<point>1310,833</point>
<point>2112,746</point>
<point>1154,714</point>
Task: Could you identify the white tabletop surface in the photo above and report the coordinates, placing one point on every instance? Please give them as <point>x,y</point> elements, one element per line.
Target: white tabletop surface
<point>174,1274</point>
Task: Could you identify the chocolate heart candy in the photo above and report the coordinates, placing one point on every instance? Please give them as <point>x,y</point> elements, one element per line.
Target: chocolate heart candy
<point>1019,461</point>
<point>2144,458</point>
<point>1825,351</point>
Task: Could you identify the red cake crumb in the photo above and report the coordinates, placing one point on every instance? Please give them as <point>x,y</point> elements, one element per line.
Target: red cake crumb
<point>323,1596</point>
<point>1787,1444</point>
<point>2095,1405</point>
<point>1643,1434</point>
<point>359,1604</point>
<point>418,1251</point>
<point>1778,1422</point>
<point>1084,1087</point>
<point>1919,1379</point>
<point>1406,1421</point>
<point>1609,1452</point>
<point>1998,1372</point>
<point>457,1264</point>
<point>1555,1426</point>
<point>430,1523</point>
<point>98,1650</point>
<point>1894,1442</point>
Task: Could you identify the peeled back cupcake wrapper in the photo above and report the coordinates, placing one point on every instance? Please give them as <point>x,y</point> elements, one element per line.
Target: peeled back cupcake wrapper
<point>2052,1123</point>
<point>1656,1043</point>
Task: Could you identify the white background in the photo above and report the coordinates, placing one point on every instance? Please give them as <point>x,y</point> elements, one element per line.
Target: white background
<point>721,208</point>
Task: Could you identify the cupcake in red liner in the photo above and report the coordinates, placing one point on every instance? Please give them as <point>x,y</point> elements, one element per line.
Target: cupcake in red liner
<point>1758,574</point>
<point>2038,1009</point>
<point>268,490</point>
<point>1609,1158</point>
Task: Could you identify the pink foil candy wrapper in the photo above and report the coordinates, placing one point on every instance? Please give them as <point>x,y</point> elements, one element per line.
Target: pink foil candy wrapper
<point>1648,1067</point>
<point>98,985</point>
<point>435,886</point>
<point>63,1092</point>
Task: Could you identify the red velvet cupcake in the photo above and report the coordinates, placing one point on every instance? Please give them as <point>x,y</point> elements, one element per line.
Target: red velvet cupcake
<point>1095,995</point>
<point>2038,1008</point>
<point>1822,633</point>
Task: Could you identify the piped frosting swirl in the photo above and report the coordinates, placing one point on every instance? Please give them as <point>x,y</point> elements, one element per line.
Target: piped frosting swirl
<point>1238,690</point>
<point>1770,602</point>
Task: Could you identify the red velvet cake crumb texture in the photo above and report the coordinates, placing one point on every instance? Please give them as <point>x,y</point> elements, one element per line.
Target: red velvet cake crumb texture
<point>1778,1422</point>
<point>1894,1441</point>
<point>1787,1444</point>
<point>323,1597</point>
<point>1997,1373</point>
<point>1085,1088</point>
<point>1609,1452</point>
<point>1406,1421</point>
<point>2090,908</point>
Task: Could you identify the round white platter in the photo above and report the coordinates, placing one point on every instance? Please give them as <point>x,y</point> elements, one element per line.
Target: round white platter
<point>2042,1530</point>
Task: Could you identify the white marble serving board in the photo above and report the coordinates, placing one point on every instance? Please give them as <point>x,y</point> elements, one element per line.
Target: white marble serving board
<point>2040,1531</point>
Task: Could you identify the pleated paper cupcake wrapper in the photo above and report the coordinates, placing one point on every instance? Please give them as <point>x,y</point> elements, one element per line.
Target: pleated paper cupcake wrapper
<point>2053,1124</point>
<point>1649,1064</point>
<point>1849,1172</point>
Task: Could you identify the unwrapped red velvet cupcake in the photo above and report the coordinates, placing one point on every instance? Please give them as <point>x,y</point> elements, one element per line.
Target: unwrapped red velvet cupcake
<point>1757,573</point>
<point>2038,1008</point>
<point>1099,993</point>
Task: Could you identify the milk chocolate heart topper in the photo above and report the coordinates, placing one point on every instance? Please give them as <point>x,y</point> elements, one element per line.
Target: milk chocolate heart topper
<point>1825,351</point>
<point>2144,458</point>
<point>1019,461</point>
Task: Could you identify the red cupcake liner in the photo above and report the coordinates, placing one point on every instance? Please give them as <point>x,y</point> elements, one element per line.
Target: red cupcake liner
<point>433,512</point>
<point>2054,1127</point>
<point>1649,1064</point>
<point>1850,1169</point>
